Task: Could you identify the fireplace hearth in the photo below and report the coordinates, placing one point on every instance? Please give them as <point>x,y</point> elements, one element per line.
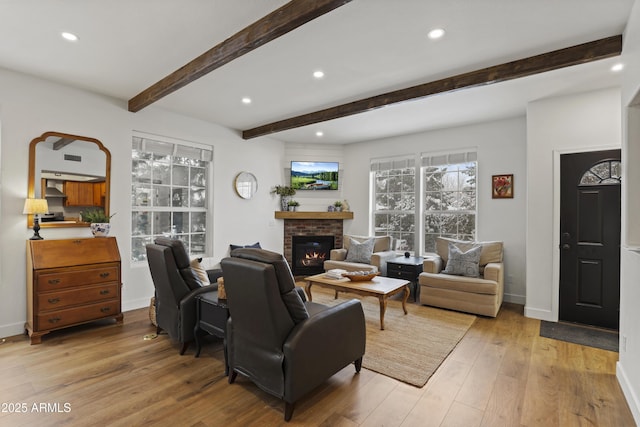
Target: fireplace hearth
<point>309,254</point>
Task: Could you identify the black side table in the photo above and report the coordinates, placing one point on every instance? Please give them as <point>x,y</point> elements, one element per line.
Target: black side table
<point>407,268</point>
<point>212,315</point>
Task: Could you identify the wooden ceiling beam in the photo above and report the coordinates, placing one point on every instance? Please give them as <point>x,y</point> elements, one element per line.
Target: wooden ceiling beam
<point>279,22</point>
<point>62,142</point>
<point>575,55</point>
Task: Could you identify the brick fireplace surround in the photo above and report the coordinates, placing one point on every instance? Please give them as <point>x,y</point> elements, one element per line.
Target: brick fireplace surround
<point>310,227</point>
<point>311,224</point>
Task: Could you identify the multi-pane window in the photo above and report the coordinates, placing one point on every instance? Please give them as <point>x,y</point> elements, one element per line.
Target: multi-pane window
<point>169,194</point>
<point>394,201</point>
<point>449,197</point>
<point>416,205</point>
<point>606,172</point>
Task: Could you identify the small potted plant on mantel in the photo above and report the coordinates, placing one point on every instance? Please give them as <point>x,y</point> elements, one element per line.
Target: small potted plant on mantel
<point>98,221</point>
<point>293,205</point>
<point>285,194</point>
<point>338,206</point>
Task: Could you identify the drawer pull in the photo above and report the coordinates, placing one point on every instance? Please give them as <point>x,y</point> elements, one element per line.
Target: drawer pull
<point>54,281</point>
<point>105,309</point>
<point>53,300</point>
<point>54,320</point>
<point>77,242</point>
<point>104,275</point>
<point>104,292</point>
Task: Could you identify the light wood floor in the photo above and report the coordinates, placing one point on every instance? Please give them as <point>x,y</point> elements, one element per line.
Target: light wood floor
<point>501,374</point>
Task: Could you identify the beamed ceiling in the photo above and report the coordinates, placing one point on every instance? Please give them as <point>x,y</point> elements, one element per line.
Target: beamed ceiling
<point>383,75</point>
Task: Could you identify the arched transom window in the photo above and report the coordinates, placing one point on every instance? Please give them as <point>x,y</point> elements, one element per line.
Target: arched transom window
<point>606,172</point>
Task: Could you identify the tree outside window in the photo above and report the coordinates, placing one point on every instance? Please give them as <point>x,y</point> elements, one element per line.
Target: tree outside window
<point>450,202</point>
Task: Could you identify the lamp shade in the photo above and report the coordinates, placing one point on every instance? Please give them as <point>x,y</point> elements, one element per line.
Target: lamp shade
<point>35,206</point>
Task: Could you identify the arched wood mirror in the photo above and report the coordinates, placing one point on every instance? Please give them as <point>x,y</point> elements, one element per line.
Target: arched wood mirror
<point>73,173</point>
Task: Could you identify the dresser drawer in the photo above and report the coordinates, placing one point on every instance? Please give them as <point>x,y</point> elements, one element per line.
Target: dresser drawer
<point>90,294</point>
<point>406,275</point>
<point>60,318</point>
<point>54,280</point>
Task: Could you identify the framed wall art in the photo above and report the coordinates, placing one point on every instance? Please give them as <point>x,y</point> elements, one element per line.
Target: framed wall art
<point>502,186</point>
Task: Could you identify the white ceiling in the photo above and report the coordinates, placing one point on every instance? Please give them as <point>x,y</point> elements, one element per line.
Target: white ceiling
<point>366,47</point>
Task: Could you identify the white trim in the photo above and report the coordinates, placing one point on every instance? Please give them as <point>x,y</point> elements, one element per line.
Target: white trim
<point>555,269</point>
<point>515,299</point>
<point>164,138</point>
<point>12,329</point>
<point>628,391</point>
<point>135,304</point>
<point>537,313</point>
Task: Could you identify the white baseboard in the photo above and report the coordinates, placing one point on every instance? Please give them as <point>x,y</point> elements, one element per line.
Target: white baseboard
<point>136,304</point>
<point>12,329</point>
<point>515,299</point>
<point>536,313</point>
<point>629,392</point>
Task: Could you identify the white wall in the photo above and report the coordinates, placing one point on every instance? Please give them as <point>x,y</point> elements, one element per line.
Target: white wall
<point>628,369</point>
<point>30,107</point>
<point>501,150</point>
<point>575,123</point>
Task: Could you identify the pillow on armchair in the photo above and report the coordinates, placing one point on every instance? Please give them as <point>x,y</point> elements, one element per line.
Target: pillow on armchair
<point>256,245</point>
<point>463,263</point>
<point>200,271</point>
<point>491,250</point>
<point>360,251</point>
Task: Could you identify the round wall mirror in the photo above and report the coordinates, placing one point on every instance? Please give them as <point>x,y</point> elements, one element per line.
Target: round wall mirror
<point>246,185</point>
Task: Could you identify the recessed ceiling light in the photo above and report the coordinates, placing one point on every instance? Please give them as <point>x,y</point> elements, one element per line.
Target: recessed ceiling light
<point>436,33</point>
<point>319,133</point>
<point>318,74</point>
<point>617,67</point>
<point>69,36</point>
<point>246,100</point>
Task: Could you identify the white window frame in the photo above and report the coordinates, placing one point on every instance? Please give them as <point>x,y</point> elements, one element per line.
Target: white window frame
<point>424,160</point>
<point>172,147</point>
<point>448,158</point>
<point>381,164</point>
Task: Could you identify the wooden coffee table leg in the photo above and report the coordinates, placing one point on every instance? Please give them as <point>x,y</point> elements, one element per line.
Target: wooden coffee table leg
<point>308,289</point>
<point>405,298</point>
<point>383,308</point>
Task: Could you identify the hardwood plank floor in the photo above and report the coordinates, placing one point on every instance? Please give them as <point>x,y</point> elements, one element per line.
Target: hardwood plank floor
<point>502,373</point>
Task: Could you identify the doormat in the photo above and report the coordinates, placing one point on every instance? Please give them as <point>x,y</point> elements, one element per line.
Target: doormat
<point>579,334</point>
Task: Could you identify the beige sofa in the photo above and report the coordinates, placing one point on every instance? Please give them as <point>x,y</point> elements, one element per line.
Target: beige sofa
<point>378,262</point>
<point>479,295</point>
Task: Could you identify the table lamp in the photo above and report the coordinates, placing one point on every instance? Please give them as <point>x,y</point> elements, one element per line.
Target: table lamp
<point>35,207</point>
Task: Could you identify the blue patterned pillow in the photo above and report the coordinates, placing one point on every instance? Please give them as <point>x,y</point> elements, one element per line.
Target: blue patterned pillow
<point>463,263</point>
<point>360,252</point>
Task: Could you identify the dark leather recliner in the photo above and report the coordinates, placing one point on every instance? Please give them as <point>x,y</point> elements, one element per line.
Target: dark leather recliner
<point>287,346</point>
<point>176,289</point>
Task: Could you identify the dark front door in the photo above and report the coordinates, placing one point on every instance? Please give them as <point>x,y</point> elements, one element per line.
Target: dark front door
<point>590,238</point>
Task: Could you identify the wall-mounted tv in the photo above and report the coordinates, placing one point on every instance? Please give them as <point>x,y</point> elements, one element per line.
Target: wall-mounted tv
<point>314,175</point>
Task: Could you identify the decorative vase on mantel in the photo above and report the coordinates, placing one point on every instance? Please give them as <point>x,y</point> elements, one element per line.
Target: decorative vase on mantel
<point>285,193</point>
<point>284,203</point>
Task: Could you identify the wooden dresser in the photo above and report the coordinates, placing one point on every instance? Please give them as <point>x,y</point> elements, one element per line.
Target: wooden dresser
<point>71,281</point>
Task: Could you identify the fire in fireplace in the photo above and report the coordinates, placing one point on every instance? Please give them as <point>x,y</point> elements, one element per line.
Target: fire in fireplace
<point>309,253</point>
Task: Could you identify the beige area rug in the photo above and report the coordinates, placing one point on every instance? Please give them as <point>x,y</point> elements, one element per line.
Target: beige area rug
<point>411,347</point>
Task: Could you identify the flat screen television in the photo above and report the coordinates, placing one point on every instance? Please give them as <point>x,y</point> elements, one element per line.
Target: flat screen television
<point>314,175</point>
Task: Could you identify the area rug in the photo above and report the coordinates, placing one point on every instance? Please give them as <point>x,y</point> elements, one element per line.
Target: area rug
<point>411,347</point>
<point>578,334</point>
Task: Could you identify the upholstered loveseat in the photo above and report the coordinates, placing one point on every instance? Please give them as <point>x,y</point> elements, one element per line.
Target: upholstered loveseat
<point>460,290</point>
<point>354,257</point>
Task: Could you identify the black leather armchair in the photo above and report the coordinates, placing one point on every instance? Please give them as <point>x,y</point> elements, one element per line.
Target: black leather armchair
<point>176,289</point>
<point>287,346</point>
